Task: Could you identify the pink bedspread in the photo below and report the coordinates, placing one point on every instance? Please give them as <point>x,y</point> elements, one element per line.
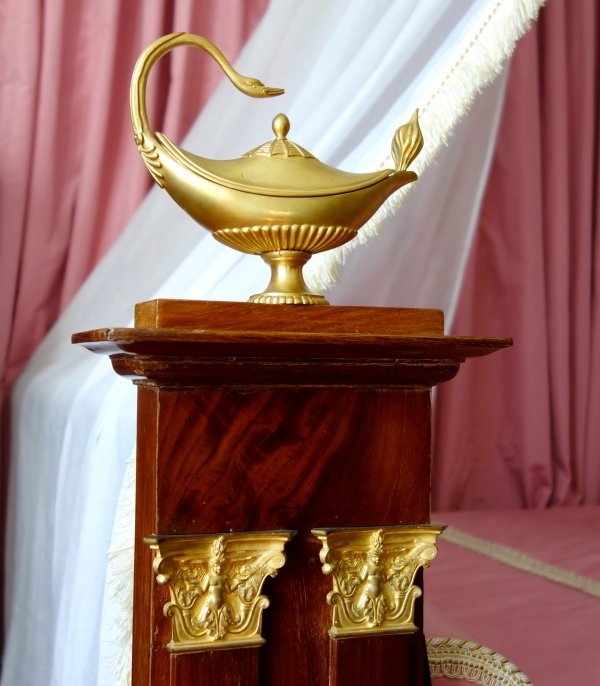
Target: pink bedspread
<point>551,632</point>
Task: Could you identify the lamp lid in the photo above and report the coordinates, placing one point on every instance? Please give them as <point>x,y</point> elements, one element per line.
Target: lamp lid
<point>278,167</point>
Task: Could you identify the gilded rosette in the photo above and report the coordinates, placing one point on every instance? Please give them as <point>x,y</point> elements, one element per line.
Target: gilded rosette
<point>373,572</point>
<point>215,583</point>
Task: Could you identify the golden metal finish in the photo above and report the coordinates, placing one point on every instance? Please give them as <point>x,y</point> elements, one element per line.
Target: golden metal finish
<point>281,145</point>
<point>407,143</point>
<point>276,197</point>
<point>373,573</point>
<point>287,286</point>
<point>260,239</point>
<point>215,583</point>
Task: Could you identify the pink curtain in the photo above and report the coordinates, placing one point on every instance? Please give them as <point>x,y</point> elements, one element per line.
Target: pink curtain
<point>522,427</point>
<point>71,176</point>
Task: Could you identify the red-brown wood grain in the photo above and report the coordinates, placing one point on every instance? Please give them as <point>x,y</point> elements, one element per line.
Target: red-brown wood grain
<point>241,667</point>
<point>376,660</point>
<point>273,373</point>
<point>145,520</point>
<point>291,458</point>
<point>254,417</point>
<point>270,344</point>
<point>211,315</point>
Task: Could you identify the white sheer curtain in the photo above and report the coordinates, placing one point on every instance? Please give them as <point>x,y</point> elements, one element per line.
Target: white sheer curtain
<point>353,71</point>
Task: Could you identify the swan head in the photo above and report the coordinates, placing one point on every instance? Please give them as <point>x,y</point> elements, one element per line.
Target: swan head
<point>257,89</point>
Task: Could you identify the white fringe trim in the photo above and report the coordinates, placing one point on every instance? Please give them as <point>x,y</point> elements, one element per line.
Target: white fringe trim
<point>476,61</point>
<point>120,574</point>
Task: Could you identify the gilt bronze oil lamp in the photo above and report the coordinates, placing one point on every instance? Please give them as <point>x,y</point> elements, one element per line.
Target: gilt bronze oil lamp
<point>277,200</point>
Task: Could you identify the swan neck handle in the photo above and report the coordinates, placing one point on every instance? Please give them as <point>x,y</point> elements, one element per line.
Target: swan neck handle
<point>139,116</point>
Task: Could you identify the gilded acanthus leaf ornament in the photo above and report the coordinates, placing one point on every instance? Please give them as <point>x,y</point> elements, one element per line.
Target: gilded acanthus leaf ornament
<point>407,143</point>
<point>215,584</point>
<point>373,573</point>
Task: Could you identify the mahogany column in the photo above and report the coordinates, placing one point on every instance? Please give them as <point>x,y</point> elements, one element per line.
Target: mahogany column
<point>263,417</point>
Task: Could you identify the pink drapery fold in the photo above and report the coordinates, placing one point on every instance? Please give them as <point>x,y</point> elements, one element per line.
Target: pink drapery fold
<point>522,428</point>
<point>71,176</point>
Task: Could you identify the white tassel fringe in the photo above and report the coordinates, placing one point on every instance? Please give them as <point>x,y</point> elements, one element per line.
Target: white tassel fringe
<point>476,61</point>
<point>120,574</point>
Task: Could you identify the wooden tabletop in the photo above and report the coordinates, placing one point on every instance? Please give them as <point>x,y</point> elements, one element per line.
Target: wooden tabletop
<point>175,342</point>
<point>222,329</point>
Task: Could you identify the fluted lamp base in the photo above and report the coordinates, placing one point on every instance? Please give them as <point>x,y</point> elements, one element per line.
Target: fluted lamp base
<point>287,286</point>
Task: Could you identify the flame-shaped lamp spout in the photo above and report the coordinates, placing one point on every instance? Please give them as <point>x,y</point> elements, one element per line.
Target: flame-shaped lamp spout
<point>407,143</point>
